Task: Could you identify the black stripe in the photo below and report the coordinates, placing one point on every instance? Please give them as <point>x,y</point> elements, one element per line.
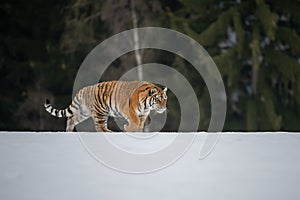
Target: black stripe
<point>101,103</point>
<point>74,106</point>
<point>106,95</point>
<point>116,95</point>
<point>145,104</point>
<point>76,103</point>
<point>69,111</point>
<point>99,110</point>
<point>139,106</point>
<point>110,94</point>
<point>100,118</point>
<point>100,98</point>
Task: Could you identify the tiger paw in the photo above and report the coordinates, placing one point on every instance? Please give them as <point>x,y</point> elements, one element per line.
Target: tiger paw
<point>130,128</point>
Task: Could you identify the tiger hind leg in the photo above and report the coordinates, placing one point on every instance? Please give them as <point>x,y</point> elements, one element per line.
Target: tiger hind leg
<point>100,122</point>
<point>70,125</point>
<point>74,120</point>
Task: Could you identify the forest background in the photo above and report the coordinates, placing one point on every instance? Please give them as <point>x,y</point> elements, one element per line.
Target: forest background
<point>255,45</point>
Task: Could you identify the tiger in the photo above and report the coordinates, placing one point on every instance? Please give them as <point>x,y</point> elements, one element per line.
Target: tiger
<point>132,100</point>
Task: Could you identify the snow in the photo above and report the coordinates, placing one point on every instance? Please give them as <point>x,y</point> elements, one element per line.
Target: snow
<point>242,166</point>
<point>231,40</point>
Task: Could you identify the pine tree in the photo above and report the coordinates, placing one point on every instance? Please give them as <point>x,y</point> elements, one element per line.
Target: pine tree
<point>255,44</point>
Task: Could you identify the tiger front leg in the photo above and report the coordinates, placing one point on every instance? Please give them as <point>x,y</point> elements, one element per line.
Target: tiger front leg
<point>143,119</point>
<point>133,123</point>
<point>131,127</point>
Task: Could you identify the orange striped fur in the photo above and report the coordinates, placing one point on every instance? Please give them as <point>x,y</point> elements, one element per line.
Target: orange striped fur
<point>131,100</point>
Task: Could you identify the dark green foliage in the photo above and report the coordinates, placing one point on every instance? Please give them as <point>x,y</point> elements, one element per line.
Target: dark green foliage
<point>260,68</point>
<point>29,33</point>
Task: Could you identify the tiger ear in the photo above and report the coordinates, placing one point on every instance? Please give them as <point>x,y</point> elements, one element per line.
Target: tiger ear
<point>152,91</point>
<point>165,89</point>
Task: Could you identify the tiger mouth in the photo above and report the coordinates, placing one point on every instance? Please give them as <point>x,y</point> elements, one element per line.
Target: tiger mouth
<point>161,110</point>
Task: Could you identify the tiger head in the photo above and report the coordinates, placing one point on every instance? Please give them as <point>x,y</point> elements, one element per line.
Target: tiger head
<point>158,99</point>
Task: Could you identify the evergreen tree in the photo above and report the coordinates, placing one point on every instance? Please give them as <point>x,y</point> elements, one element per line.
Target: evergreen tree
<point>255,44</point>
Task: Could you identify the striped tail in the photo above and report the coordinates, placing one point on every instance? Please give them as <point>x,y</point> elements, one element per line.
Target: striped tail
<point>56,112</point>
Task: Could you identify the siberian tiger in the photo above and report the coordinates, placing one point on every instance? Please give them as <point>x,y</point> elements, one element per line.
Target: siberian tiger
<point>131,100</point>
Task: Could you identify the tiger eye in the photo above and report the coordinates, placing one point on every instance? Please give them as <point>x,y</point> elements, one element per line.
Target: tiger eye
<point>165,96</point>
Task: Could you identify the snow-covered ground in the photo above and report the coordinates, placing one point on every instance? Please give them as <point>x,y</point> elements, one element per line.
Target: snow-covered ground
<point>54,166</point>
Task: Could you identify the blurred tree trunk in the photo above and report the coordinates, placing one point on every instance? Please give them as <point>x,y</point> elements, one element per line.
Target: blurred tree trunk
<point>88,23</point>
<point>136,41</point>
